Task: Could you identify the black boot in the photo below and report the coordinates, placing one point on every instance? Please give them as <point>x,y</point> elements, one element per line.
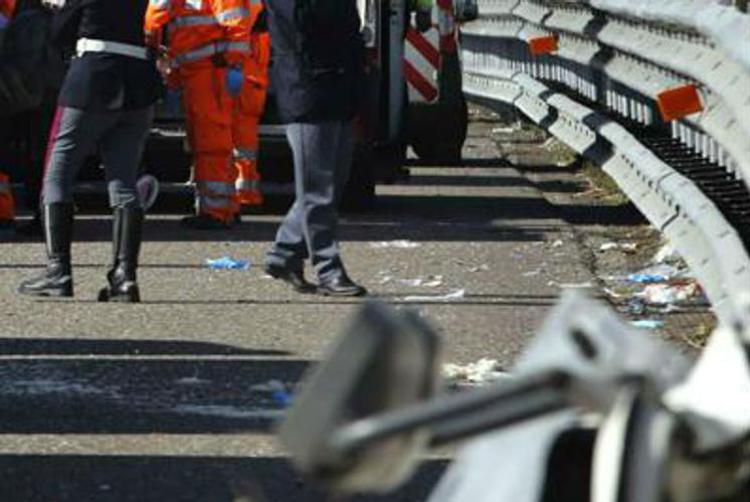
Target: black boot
<point>57,279</point>
<point>127,224</point>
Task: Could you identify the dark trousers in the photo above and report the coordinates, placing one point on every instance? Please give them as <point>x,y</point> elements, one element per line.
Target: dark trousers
<point>120,136</point>
<point>322,159</point>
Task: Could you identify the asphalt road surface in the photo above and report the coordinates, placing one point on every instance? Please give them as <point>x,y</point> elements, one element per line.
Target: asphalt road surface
<point>170,400</point>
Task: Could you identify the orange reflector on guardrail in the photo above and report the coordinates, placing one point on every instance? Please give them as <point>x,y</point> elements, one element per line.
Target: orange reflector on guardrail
<point>542,45</point>
<point>679,102</point>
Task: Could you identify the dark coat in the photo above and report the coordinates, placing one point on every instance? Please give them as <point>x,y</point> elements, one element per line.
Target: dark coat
<point>318,59</point>
<point>30,69</point>
<point>96,81</point>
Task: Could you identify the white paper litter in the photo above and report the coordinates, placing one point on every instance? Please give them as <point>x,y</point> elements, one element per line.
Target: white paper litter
<point>558,244</point>
<point>479,268</point>
<point>455,295</point>
<point>432,281</point>
<point>625,247</point>
<point>481,372</point>
<point>665,294</point>
<point>270,386</point>
<point>399,244</point>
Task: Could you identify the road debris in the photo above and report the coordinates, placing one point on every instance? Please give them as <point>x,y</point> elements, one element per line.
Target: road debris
<point>398,244</point>
<point>647,324</point>
<point>667,254</point>
<point>455,295</point>
<point>482,372</point>
<point>625,247</point>
<point>227,263</point>
<point>669,294</point>
<point>479,268</point>
<point>193,380</point>
<point>558,243</point>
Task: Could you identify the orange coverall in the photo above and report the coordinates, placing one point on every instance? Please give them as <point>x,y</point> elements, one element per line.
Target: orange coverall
<point>246,114</point>
<point>7,204</point>
<point>205,38</point>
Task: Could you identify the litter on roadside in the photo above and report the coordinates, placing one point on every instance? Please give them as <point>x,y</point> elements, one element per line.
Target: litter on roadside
<point>571,285</point>
<point>647,324</point>
<point>667,254</point>
<point>455,295</point>
<point>625,247</point>
<point>558,244</point>
<point>668,294</point>
<point>432,281</point>
<point>658,273</point>
<point>479,268</point>
<point>227,263</point>
<point>399,244</point>
<point>482,372</point>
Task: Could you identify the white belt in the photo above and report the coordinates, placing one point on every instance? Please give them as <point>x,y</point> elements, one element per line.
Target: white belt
<point>90,45</point>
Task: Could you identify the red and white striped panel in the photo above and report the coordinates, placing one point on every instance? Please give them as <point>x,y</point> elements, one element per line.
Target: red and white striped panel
<point>422,61</point>
<point>446,22</point>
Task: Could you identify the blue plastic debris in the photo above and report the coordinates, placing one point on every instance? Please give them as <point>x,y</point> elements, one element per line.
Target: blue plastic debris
<point>282,398</point>
<point>648,324</point>
<point>228,263</point>
<point>647,278</point>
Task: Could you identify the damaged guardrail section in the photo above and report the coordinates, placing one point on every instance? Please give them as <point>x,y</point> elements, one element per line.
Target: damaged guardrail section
<point>622,83</point>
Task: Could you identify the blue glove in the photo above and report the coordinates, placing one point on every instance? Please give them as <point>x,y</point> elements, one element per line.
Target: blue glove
<point>235,79</point>
<point>172,102</point>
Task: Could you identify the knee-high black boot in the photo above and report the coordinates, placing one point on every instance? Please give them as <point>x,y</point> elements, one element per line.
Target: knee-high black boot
<point>127,225</point>
<point>57,279</point>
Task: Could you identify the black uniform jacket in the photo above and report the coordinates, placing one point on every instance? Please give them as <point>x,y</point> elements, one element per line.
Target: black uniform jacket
<point>318,58</point>
<point>98,81</point>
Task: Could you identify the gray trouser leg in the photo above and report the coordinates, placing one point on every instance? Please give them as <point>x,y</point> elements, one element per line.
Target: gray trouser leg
<point>75,138</point>
<point>322,155</point>
<point>120,135</point>
<point>121,149</point>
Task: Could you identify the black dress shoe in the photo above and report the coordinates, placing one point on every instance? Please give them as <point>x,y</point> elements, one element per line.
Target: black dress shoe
<point>295,278</point>
<point>341,286</point>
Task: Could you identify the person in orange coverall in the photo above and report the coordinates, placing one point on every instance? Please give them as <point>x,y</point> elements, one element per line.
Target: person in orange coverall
<point>248,109</point>
<point>209,43</point>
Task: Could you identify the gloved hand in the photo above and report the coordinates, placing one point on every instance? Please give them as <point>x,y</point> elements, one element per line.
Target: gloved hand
<point>173,101</point>
<point>424,20</point>
<point>235,79</point>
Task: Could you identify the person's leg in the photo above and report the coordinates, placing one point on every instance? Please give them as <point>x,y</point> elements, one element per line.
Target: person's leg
<point>245,123</point>
<point>209,112</point>
<point>317,150</point>
<point>75,135</point>
<point>285,259</point>
<point>122,148</point>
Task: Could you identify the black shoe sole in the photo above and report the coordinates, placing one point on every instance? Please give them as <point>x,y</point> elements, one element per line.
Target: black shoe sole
<point>358,293</point>
<point>46,293</point>
<point>280,275</point>
<point>106,296</point>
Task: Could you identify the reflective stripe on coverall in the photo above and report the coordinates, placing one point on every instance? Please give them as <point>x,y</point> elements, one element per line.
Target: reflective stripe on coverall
<point>246,115</point>
<point>205,37</point>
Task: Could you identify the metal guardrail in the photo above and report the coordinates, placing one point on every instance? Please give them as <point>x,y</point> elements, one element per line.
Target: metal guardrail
<point>598,92</point>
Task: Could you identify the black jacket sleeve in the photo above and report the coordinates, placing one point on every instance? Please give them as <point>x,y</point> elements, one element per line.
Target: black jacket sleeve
<point>66,23</point>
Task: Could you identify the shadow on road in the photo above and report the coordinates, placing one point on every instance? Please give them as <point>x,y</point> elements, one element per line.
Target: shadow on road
<point>187,394</point>
<point>169,479</point>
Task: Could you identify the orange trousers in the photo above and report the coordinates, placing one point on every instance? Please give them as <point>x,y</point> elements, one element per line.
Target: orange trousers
<point>246,114</point>
<point>208,111</point>
<point>7,204</point>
